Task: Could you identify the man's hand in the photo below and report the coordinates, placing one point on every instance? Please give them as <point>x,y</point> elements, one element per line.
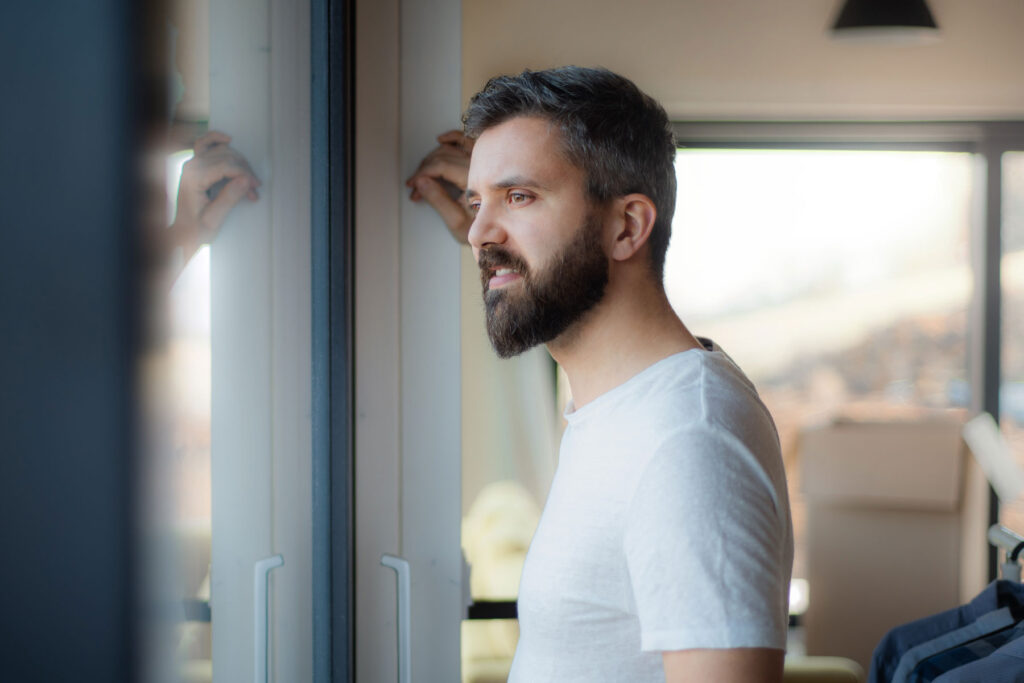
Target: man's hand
<point>440,180</point>
<point>212,183</point>
<point>739,665</point>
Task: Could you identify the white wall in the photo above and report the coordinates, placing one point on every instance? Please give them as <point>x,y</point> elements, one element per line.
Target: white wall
<point>760,59</point>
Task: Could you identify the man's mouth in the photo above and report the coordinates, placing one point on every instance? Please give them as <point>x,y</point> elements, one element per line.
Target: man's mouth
<point>502,277</point>
<point>500,267</point>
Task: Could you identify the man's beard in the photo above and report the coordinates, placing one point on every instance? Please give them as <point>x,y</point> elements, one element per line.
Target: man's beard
<point>549,301</point>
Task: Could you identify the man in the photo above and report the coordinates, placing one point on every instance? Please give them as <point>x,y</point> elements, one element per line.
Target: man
<point>665,548</point>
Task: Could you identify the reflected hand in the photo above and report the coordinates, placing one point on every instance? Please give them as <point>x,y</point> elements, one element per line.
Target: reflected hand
<point>441,180</point>
<point>212,183</point>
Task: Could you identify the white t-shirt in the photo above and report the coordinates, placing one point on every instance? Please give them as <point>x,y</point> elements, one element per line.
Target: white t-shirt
<point>667,528</point>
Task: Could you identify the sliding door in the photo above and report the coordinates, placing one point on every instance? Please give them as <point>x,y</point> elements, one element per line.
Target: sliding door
<point>260,307</point>
<point>228,482</point>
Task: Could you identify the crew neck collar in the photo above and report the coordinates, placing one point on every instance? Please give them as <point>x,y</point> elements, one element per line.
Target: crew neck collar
<point>574,415</point>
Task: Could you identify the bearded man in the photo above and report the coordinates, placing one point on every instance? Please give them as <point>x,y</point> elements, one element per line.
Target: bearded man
<point>665,548</point>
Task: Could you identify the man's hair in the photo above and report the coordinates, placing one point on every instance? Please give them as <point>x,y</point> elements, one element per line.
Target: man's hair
<point>618,135</point>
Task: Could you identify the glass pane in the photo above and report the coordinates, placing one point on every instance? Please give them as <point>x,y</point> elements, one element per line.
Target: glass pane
<point>1011,395</point>
<point>838,280</point>
<point>226,483</point>
<point>176,494</point>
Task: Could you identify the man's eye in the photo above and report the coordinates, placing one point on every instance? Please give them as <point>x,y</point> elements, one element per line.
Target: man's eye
<point>518,197</point>
<point>474,208</point>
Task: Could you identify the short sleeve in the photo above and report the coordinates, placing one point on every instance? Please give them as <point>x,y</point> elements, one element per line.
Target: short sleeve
<point>708,546</point>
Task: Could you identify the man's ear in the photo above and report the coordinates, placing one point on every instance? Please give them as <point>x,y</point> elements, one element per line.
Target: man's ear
<point>635,214</point>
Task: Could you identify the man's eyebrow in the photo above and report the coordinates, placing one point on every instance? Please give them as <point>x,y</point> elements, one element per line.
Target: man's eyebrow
<point>511,181</point>
<point>519,181</point>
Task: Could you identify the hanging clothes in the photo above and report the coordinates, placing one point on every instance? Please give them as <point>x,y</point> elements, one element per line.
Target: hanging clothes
<point>1005,665</point>
<point>948,664</point>
<point>933,653</point>
<point>997,595</point>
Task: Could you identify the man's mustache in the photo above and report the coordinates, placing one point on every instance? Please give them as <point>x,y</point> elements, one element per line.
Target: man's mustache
<point>498,257</point>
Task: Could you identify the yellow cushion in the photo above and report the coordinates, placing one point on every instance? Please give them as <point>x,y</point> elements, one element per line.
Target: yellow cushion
<point>822,670</point>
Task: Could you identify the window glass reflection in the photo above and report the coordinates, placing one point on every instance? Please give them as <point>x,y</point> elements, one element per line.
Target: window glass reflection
<point>174,503</point>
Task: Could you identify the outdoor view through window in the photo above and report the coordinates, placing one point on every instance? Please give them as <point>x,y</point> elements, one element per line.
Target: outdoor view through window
<point>838,280</point>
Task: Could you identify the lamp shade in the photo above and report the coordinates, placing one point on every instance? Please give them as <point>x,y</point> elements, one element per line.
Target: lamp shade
<point>907,22</point>
<point>880,14</point>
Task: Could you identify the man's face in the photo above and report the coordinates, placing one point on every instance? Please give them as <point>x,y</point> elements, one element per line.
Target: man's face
<point>535,236</point>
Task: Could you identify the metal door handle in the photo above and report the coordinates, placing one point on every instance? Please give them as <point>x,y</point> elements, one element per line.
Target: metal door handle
<point>260,601</point>
<point>401,568</point>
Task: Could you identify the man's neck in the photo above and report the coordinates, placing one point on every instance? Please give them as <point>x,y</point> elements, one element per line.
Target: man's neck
<point>631,329</point>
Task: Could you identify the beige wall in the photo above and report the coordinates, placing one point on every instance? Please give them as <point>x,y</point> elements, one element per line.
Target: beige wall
<point>757,59</point>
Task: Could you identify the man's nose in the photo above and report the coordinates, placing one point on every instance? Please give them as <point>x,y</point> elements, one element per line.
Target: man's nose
<point>485,229</point>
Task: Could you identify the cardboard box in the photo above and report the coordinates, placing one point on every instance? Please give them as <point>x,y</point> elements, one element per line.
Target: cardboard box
<point>896,520</point>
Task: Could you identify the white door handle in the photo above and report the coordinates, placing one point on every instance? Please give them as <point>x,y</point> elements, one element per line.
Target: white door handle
<point>260,601</point>
<point>401,568</point>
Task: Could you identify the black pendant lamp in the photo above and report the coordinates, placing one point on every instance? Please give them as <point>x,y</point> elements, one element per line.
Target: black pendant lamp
<point>896,20</point>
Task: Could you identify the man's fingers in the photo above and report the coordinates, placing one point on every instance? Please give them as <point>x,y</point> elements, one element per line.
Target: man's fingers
<point>209,174</point>
<point>454,170</point>
<point>458,139</point>
<point>239,160</point>
<point>449,153</point>
<point>217,210</point>
<point>451,211</point>
<point>217,157</point>
<point>451,137</point>
<point>211,139</point>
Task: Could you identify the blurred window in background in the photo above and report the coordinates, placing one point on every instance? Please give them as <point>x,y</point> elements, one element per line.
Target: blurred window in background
<point>839,281</point>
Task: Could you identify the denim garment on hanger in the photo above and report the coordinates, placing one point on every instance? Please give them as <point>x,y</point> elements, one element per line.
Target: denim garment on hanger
<point>949,660</point>
<point>909,667</point>
<point>895,644</point>
<point>1005,665</point>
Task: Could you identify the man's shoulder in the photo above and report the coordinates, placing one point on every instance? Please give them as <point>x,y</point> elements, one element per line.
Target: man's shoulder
<point>681,398</point>
<point>712,388</point>
<point>719,410</point>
